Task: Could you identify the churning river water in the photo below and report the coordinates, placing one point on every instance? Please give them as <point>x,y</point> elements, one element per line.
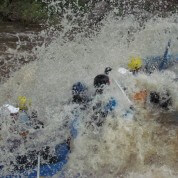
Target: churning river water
<point>146,146</point>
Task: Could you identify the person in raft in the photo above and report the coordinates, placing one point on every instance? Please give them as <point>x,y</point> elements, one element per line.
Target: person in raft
<point>160,99</point>
<point>100,109</point>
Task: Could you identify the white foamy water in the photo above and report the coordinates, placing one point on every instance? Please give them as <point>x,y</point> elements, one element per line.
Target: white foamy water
<point>140,148</point>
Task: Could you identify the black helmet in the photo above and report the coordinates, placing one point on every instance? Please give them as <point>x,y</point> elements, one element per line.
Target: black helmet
<point>101,80</point>
<point>154,97</point>
<point>164,100</point>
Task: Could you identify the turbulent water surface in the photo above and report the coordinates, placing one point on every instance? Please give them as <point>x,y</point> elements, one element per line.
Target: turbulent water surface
<point>16,43</point>
<point>144,147</point>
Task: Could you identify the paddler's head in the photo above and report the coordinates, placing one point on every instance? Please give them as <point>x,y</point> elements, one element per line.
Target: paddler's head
<point>100,81</point>
<point>135,63</point>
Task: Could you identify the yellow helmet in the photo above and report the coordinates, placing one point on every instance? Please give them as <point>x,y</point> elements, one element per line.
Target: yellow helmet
<point>135,63</point>
<point>23,103</point>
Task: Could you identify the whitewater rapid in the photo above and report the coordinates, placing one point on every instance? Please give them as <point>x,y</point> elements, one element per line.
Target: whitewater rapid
<point>143,147</point>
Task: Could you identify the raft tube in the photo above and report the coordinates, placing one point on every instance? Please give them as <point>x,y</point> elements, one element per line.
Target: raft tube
<point>47,170</point>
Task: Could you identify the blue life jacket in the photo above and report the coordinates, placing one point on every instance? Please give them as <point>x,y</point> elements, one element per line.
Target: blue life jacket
<point>78,88</point>
<point>111,105</point>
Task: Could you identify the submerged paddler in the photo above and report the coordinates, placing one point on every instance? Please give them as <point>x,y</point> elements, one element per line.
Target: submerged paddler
<point>162,100</point>
<point>80,93</point>
<point>22,118</point>
<point>23,104</point>
<point>29,160</point>
<point>93,102</point>
<point>25,116</point>
<point>150,64</point>
<point>101,82</point>
<point>101,109</point>
<point>18,117</point>
<point>135,65</point>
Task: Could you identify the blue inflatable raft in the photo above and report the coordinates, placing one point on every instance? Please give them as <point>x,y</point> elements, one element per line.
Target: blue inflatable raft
<point>47,170</point>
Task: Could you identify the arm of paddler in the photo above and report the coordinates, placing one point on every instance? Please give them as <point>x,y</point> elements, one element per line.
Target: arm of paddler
<point>111,105</point>
<point>74,123</point>
<point>73,128</point>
